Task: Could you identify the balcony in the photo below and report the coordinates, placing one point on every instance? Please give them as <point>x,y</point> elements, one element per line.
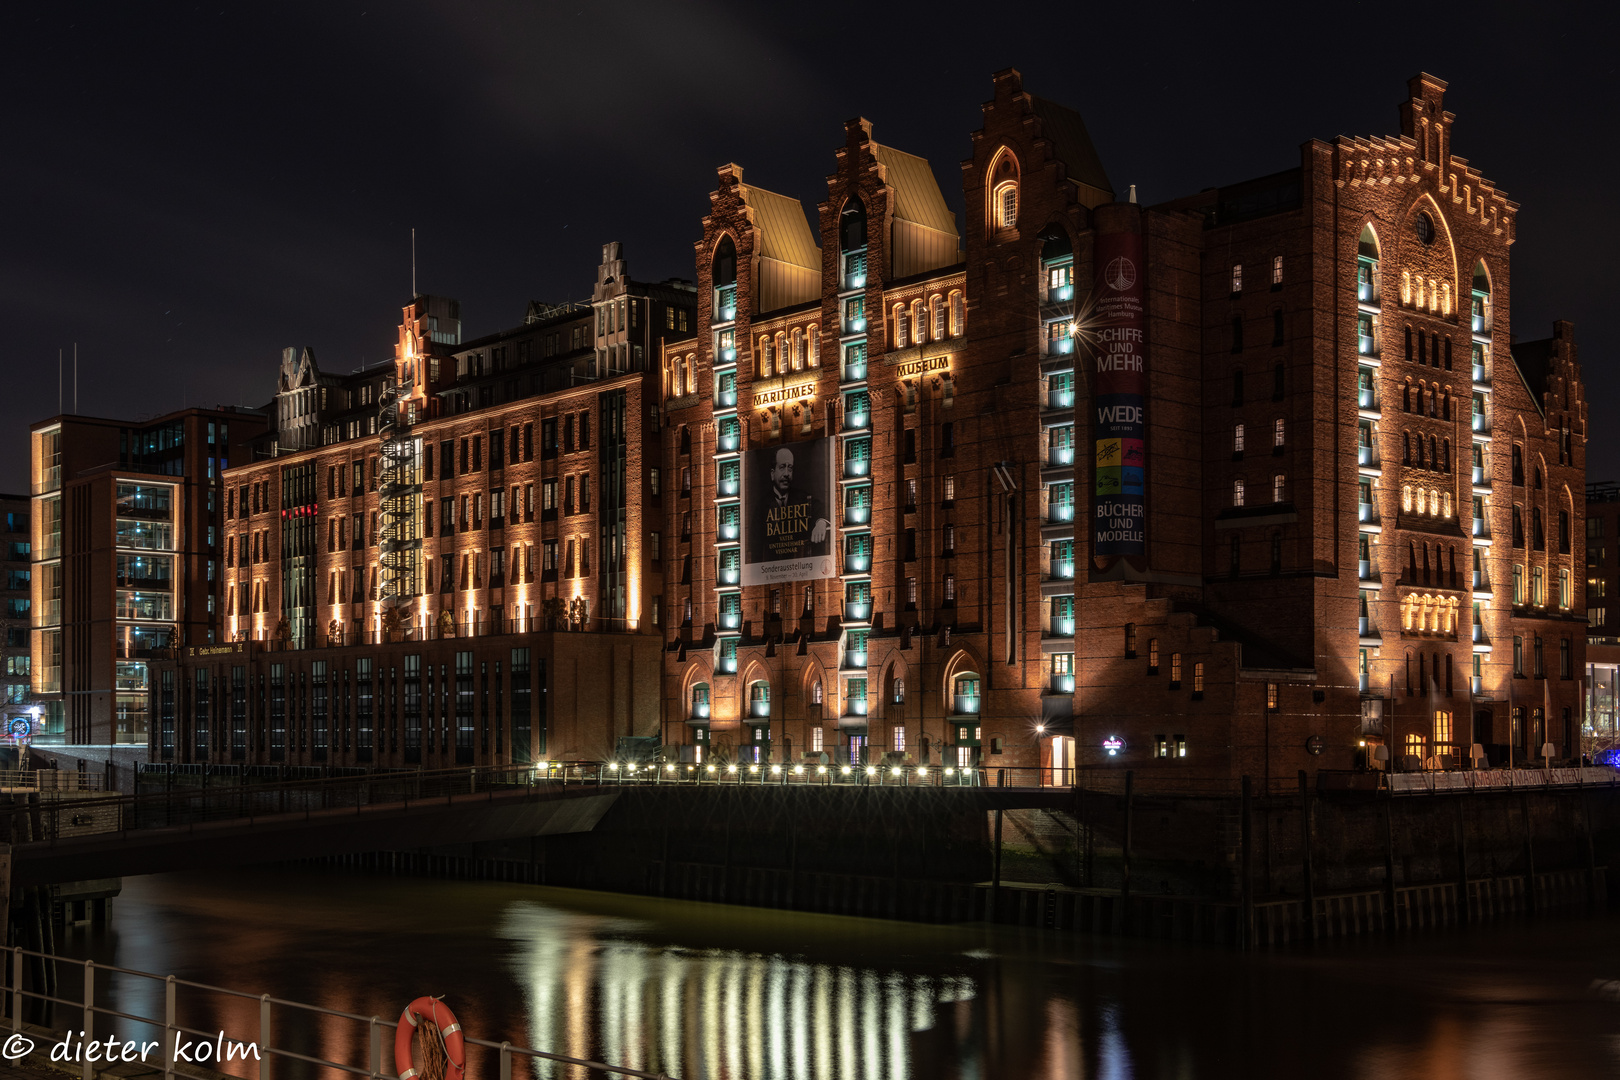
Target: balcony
<point>1479,635</point>
<point>1480,323</point>
<point>855,707</point>
<point>1061,626</point>
<point>730,620</point>
<point>1482,374</point>
<point>1062,569</point>
<point>1060,399</point>
<point>854,372</point>
<point>725,356</point>
<point>1367,513</point>
<point>728,442</point>
<point>854,324</point>
<point>1059,346</point>
<point>700,710</point>
<point>1060,453</point>
<point>1363,626</point>
<point>1058,513</point>
<point>1367,291</point>
<point>857,468</point>
<point>1365,571</point>
<point>1363,682</point>
<point>1366,345</point>
<point>759,710</point>
<point>857,515</point>
<point>1476,685</point>
<point>1481,423</point>
<point>854,660</point>
<point>728,487</point>
<point>1368,456</point>
<point>1061,684</point>
<point>50,480</point>
<point>965,704</point>
<point>725,307</point>
<point>857,610</point>
<point>726,665</point>
<point>1367,399</point>
<point>728,530</point>
<point>854,271</point>
<point>857,421</point>
<point>1478,476</point>
<point>1481,529</point>
<point>857,562</point>
<point>725,399</point>
<point>1060,294</point>
<point>729,575</point>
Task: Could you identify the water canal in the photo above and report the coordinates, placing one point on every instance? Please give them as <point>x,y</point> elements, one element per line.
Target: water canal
<point>704,991</point>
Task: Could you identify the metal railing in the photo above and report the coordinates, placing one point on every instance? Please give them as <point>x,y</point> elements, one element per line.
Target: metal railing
<point>189,806</point>
<point>181,1044</point>
<point>53,780</point>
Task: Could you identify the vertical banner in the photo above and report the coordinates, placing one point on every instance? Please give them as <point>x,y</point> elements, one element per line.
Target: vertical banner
<point>788,513</point>
<point>1119,396</point>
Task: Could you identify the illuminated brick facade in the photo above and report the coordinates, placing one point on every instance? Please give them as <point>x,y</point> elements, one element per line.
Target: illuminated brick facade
<point>1328,509</point>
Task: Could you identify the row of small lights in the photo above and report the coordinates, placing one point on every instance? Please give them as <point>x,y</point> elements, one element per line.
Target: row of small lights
<point>776,770</point>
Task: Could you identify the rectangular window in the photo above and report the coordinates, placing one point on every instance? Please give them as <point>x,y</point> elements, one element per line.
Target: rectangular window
<point>1237,278</point>
<point>900,739</point>
<point>1237,493</point>
<point>1276,270</point>
<point>949,488</point>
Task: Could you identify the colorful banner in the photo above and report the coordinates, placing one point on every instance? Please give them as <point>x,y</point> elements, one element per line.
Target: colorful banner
<point>1116,339</point>
<point>788,510</point>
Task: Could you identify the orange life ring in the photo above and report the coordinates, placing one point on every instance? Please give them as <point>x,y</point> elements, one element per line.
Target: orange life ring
<point>431,1009</point>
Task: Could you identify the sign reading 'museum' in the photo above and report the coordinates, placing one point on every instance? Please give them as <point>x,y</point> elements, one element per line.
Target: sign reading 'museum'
<point>926,366</point>
<point>787,512</point>
<point>1118,351</point>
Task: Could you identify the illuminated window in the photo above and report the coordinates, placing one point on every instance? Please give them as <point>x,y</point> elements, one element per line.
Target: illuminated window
<point>1153,656</point>
<point>816,735</point>
<point>900,738</point>
<point>1237,493</point>
<point>1198,677</point>
<point>1175,671</point>
<point>1277,433</point>
<point>1007,205</point>
<point>958,314</point>
<point>1276,270</point>
<point>1271,697</point>
<point>1237,277</point>
<point>1237,438</point>
<point>1277,488</point>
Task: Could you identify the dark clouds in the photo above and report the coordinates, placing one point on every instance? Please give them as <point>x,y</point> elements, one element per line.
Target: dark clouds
<point>190,188</point>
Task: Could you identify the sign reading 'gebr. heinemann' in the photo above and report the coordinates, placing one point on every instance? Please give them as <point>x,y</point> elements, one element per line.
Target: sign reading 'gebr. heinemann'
<point>1119,424</point>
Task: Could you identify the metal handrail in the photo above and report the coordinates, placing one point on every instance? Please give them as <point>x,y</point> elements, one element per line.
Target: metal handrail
<point>262,1050</point>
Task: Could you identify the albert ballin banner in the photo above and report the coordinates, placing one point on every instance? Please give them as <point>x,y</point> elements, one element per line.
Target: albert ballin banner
<point>1120,398</point>
<point>787,513</point>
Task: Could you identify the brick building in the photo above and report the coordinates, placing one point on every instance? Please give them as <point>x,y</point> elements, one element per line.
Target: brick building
<point>1303,535</point>
<point>451,557</point>
<point>127,529</point>
<point>16,542</point>
<point>1601,729</point>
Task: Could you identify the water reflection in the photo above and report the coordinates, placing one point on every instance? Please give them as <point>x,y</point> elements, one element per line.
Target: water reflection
<point>702,991</point>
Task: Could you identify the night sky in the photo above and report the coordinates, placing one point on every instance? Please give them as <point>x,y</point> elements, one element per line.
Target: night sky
<point>191,188</point>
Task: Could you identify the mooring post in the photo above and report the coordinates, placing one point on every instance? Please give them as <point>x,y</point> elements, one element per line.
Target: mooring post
<point>1305,851</point>
<point>1125,853</point>
<point>1389,863</point>
<point>995,882</point>
<point>1529,854</point>
<point>1462,862</point>
<point>1245,865</point>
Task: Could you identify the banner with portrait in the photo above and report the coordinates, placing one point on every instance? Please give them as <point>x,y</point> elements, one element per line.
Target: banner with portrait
<point>789,510</point>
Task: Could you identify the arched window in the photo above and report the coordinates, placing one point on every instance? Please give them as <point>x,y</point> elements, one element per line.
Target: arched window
<point>958,314</point>
<point>1003,208</point>
<point>902,327</point>
<point>764,357</point>
<point>700,701</point>
<point>852,225</point>
<point>759,699</point>
<point>724,273</point>
<point>919,327</point>
<point>936,305</point>
<point>815,692</point>
<point>814,356</point>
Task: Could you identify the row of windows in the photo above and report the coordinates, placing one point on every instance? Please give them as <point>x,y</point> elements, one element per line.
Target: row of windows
<point>1239,437</point>
<point>1279,490</point>
<point>1276,275</point>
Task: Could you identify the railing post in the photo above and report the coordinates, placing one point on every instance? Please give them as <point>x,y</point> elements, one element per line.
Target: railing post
<point>16,989</point>
<point>88,1069</point>
<point>376,1047</point>
<point>264,1037</point>
<point>506,1061</point>
<point>171,1033</point>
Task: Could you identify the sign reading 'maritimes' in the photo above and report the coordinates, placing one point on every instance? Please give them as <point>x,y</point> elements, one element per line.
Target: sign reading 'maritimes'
<point>1118,351</point>
<point>787,512</point>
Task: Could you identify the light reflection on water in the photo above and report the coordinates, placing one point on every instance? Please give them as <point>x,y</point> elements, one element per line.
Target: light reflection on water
<point>706,992</point>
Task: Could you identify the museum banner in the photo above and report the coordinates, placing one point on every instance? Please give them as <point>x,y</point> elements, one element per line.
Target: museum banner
<point>1116,341</point>
<point>788,509</point>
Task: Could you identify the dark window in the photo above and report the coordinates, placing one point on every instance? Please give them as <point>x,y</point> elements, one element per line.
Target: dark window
<point>1277,327</point>
<point>1237,387</point>
<point>911,446</point>
<point>1237,333</point>
<point>947,439</point>
<point>1409,354</point>
<point>1278,382</point>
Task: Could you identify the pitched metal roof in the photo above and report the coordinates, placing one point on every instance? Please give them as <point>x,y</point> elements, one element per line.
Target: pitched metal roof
<point>917,196</point>
<point>784,231</point>
<point>1071,142</point>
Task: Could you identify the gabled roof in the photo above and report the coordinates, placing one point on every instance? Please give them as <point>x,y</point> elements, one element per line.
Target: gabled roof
<point>1534,361</point>
<point>783,227</point>
<point>917,197</point>
<point>1071,143</point>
